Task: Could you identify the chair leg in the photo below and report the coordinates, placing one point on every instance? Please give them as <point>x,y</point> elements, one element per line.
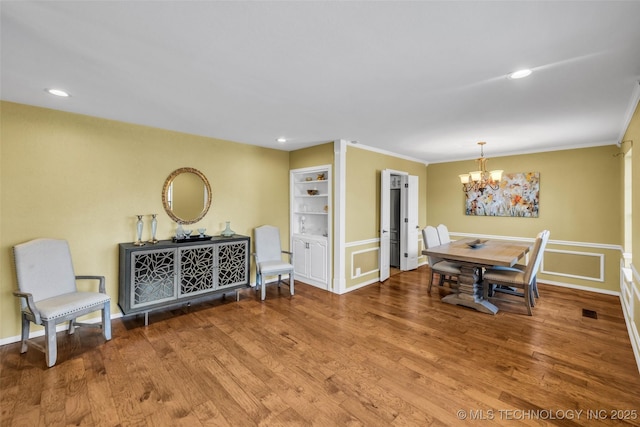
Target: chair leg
<point>25,333</point>
<point>72,327</point>
<point>258,279</point>
<point>106,320</point>
<point>430,281</point>
<point>527,299</point>
<point>291,283</point>
<point>50,345</point>
<point>532,298</point>
<point>279,279</point>
<point>261,286</point>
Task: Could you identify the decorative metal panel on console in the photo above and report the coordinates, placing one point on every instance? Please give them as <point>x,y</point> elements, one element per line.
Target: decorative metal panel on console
<point>153,277</point>
<point>233,262</point>
<point>196,269</point>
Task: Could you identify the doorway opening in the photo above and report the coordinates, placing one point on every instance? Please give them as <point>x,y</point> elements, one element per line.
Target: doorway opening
<point>398,222</point>
<point>395,222</point>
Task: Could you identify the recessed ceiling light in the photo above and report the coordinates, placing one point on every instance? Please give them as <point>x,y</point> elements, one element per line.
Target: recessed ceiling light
<point>520,74</point>
<point>281,139</point>
<point>57,92</point>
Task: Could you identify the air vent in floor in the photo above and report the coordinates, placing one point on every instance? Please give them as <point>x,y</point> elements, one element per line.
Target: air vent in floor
<point>589,313</point>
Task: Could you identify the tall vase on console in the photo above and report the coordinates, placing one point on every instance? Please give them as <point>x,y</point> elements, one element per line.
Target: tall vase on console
<point>139,226</point>
<point>227,232</point>
<point>154,228</point>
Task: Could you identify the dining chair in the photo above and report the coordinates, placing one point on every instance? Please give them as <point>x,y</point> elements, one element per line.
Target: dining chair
<point>509,280</point>
<point>49,295</point>
<point>443,234</point>
<point>534,284</point>
<point>268,256</point>
<point>443,268</point>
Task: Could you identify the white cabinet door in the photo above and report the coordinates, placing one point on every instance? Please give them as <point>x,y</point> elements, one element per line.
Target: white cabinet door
<point>317,252</point>
<point>410,226</point>
<point>300,261</point>
<point>310,261</point>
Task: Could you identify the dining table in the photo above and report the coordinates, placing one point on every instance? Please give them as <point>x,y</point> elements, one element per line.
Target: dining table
<point>473,255</point>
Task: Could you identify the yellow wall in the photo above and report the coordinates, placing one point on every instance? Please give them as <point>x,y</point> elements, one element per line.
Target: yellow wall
<point>363,169</point>
<point>580,198</point>
<point>84,179</point>
<point>580,203</point>
<point>313,156</point>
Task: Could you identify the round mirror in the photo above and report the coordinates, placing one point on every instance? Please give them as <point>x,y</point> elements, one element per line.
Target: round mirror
<point>186,195</point>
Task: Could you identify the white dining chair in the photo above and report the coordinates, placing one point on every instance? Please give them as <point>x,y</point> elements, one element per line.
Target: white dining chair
<point>443,234</point>
<point>268,256</point>
<point>520,281</point>
<point>443,268</point>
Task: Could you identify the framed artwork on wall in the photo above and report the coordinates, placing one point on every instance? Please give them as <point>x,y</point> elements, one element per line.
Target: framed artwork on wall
<point>518,195</point>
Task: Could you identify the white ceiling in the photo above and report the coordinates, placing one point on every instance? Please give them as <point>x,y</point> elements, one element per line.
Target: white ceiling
<point>425,80</point>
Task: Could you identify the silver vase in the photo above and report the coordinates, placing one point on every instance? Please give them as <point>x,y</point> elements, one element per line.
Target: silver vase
<point>139,227</point>
<point>154,228</point>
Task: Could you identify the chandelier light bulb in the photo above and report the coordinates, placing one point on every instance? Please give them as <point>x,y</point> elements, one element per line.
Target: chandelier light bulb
<point>481,179</point>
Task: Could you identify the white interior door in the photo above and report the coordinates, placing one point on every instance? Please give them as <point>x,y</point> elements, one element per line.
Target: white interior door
<point>385,224</point>
<point>409,225</point>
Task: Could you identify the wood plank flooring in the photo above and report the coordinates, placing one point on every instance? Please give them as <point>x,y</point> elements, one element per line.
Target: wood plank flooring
<point>385,355</point>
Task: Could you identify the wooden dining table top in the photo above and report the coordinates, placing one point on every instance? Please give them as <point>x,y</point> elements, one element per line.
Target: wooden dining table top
<point>490,253</point>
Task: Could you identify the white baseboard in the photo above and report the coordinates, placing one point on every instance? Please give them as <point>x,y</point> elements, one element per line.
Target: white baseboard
<point>634,336</point>
<point>581,288</point>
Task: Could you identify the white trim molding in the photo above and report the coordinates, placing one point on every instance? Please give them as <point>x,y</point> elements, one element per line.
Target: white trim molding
<point>375,270</point>
<point>574,276</point>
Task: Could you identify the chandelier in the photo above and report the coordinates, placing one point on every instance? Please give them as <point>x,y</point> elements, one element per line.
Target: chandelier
<point>480,179</point>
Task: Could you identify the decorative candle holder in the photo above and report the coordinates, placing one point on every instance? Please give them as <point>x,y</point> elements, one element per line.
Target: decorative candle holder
<point>139,226</point>
<point>154,228</point>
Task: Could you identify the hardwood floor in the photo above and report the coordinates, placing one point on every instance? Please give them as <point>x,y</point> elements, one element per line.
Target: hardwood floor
<point>386,354</point>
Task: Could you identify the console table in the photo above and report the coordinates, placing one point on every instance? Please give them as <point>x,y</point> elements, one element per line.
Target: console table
<point>160,275</point>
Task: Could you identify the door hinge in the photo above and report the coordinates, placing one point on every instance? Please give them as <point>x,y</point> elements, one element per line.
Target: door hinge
<point>406,255</point>
<point>406,220</point>
<point>406,185</point>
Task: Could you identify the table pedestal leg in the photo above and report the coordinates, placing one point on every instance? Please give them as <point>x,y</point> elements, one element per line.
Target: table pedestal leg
<point>470,291</point>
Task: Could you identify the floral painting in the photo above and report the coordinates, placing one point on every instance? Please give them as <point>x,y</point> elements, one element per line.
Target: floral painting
<point>518,195</point>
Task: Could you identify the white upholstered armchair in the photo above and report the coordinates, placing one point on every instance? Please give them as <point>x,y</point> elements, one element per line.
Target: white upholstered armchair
<point>48,293</point>
<point>269,260</point>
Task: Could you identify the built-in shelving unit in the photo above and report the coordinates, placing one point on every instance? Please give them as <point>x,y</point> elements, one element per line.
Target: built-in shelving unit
<point>310,201</point>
